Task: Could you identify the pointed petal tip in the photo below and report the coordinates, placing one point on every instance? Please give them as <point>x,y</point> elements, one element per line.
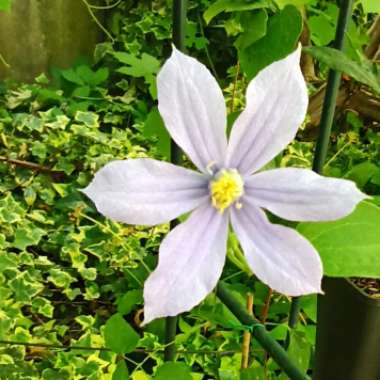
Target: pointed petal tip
<point>87,191</point>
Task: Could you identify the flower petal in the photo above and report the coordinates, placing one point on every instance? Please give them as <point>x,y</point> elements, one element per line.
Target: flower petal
<point>276,106</point>
<point>302,195</point>
<point>279,256</point>
<point>146,191</point>
<point>191,260</point>
<point>192,106</point>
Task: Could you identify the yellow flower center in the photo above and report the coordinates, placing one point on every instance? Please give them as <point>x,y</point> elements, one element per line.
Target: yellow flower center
<point>226,188</point>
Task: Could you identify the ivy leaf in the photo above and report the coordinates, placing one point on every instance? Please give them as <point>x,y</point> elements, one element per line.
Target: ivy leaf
<point>283,31</point>
<point>8,261</point>
<point>145,67</point>
<point>43,306</point>
<point>27,235</point>
<point>220,6</point>
<point>364,72</point>
<point>348,247</point>
<point>173,371</point>
<point>25,287</point>
<point>10,210</point>
<point>119,336</point>
<point>60,278</point>
<point>90,119</point>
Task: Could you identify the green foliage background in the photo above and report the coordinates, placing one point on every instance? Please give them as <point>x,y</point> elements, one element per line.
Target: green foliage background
<point>69,277</point>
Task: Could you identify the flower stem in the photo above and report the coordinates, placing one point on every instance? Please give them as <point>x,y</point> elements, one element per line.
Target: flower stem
<point>179,33</point>
<point>327,117</point>
<point>278,354</point>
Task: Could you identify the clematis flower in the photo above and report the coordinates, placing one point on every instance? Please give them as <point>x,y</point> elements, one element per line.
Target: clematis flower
<point>228,189</point>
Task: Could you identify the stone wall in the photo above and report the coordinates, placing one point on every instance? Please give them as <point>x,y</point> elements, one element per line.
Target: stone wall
<point>38,34</point>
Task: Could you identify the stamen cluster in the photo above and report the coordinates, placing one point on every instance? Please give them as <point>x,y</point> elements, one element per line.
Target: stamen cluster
<point>226,188</point>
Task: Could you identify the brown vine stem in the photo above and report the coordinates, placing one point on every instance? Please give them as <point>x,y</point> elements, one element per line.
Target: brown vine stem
<point>137,350</point>
<point>247,336</point>
<point>265,311</point>
<point>31,165</point>
<point>96,20</point>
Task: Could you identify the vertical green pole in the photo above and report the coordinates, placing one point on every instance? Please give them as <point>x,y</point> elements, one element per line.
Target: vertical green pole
<point>332,89</point>
<point>327,117</point>
<point>179,32</point>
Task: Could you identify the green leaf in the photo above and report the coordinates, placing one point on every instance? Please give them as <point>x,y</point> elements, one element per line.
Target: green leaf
<point>309,306</point>
<point>296,3</point>
<point>322,29</point>
<point>145,66</point>
<point>364,72</point>
<point>255,372</point>
<point>140,375</point>
<point>231,6</point>
<point>71,76</point>
<point>155,127</point>
<point>254,26</point>
<point>27,235</point>
<point>8,261</point>
<point>100,76</point>
<point>83,91</point>
<point>90,119</point>
<point>371,6</point>
<point>43,306</point>
<point>349,247</point>
<point>362,173</point>
<point>10,210</point>
<point>121,372</point>
<point>60,278</point>
<point>119,336</point>
<point>283,31</point>
<point>299,349</point>
<point>85,73</point>
<point>25,287</point>
<point>5,5</point>
<point>173,371</point>
<point>126,303</point>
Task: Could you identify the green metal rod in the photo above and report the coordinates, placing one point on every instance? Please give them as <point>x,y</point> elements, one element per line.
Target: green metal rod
<point>170,332</point>
<point>327,117</point>
<point>179,33</point>
<point>333,83</point>
<point>277,352</point>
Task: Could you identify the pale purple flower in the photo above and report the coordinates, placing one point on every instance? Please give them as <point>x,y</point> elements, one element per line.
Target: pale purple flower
<point>148,192</point>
